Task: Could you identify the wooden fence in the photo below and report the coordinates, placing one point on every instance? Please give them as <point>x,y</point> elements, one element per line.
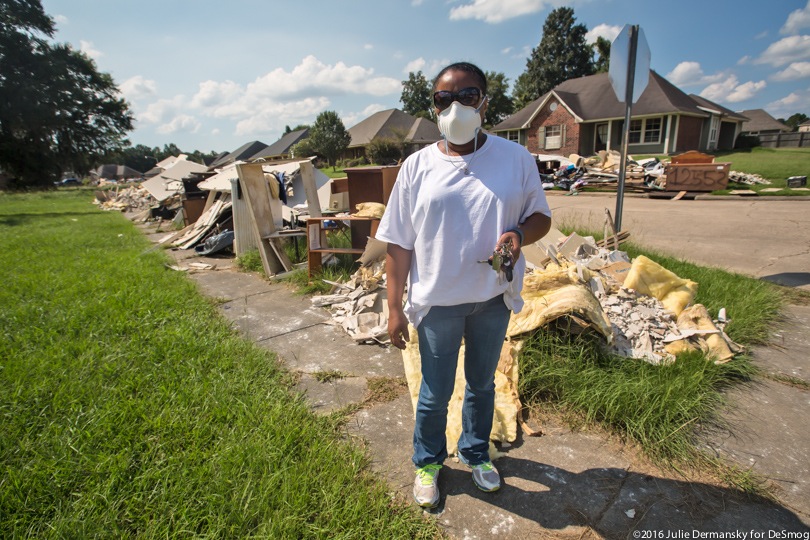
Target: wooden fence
<point>797,139</point>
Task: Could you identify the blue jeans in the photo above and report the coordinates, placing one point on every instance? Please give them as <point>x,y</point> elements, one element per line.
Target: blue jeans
<point>483,327</point>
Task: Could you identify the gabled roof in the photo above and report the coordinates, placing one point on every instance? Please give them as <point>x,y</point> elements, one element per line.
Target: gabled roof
<point>719,110</point>
<point>281,146</point>
<point>112,170</point>
<point>592,98</point>
<point>760,120</point>
<point>391,123</point>
<point>243,153</point>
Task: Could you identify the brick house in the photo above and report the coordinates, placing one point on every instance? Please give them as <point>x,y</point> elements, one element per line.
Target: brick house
<point>583,116</point>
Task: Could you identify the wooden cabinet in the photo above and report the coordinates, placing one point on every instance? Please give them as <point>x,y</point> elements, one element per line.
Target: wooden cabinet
<point>370,184</point>
<point>360,228</point>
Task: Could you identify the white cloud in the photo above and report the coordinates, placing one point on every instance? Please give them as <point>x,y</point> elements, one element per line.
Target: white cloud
<point>495,11</point>
<point>161,109</point>
<point>602,30</point>
<point>181,122</point>
<point>212,94</point>
<point>273,116</point>
<point>795,71</point>
<point>312,77</point>
<point>690,73</point>
<point>785,51</point>
<point>61,19</point>
<point>87,48</point>
<point>368,46</point>
<point>744,60</point>
<point>414,65</point>
<point>506,50</point>
<point>730,91</point>
<point>792,103</point>
<point>797,20</point>
<point>137,88</point>
<point>350,119</point>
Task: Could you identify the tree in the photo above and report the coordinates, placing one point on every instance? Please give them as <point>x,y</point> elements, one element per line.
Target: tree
<point>57,112</point>
<point>601,48</point>
<point>500,104</point>
<point>523,93</point>
<point>329,137</point>
<point>562,54</point>
<point>794,120</point>
<point>416,98</point>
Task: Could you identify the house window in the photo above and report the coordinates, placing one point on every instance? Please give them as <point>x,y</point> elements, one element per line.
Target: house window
<point>645,131</point>
<point>550,137</point>
<point>652,130</point>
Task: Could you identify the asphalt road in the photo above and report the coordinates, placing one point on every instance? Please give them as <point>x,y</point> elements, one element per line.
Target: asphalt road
<point>768,238</point>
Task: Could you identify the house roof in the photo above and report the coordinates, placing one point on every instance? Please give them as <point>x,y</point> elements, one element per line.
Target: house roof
<point>760,120</point>
<point>592,98</point>
<point>112,170</point>
<point>243,153</point>
<point>714,108</point>
<point>281,146</point>
<point>390,123</point>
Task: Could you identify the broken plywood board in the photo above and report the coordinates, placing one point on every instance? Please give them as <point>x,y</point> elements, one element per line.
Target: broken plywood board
<point>257,196</point>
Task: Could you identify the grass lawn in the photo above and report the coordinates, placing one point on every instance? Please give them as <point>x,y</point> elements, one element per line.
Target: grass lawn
<point>131,409</point>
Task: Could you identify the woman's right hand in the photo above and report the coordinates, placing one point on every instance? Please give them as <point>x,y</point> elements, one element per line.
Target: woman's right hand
<point>398,328</point>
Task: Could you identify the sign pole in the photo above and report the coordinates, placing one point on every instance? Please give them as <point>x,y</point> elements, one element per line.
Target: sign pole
<point>628,102</point>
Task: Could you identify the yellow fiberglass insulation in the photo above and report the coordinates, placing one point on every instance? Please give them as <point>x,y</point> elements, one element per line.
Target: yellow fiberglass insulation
<point>558,292</point>
<point>549,295</point>
<point>507,404</point>
<point>648,277</point>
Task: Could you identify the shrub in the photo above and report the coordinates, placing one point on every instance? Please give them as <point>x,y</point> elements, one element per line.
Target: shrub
<point>384,151</point>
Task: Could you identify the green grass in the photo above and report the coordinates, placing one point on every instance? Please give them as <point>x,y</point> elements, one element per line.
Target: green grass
<point>660,408</point>
<point>131,409</point>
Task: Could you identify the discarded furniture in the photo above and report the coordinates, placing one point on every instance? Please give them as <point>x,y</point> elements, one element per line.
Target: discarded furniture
<point>318,242</point>
<point>695,171</point>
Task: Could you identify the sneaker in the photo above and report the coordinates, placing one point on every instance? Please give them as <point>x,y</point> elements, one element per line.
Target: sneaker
<point>425,486</point>
<point>486,477</point>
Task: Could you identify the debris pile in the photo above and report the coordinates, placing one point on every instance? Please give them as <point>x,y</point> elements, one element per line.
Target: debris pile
<point>746,178</point>
<point>640,325</point>
<point>359,305</point>
<point>130,199</point>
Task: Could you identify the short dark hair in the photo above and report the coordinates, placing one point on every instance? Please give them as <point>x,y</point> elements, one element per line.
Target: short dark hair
<point>466,67</point>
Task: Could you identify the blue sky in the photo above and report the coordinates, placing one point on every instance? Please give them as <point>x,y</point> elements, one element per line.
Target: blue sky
<point>213,75</point>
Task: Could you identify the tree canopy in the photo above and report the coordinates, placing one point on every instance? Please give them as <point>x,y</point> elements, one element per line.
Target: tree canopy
<point>329,137</point>
<point>601,48</point>
<point>416,97</point>
<point>57,111</point>
<point>562,54</point>
<point>500,103</point>
<point>794,120</point>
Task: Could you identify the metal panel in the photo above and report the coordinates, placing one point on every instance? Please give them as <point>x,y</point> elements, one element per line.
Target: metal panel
<point>244,237</point>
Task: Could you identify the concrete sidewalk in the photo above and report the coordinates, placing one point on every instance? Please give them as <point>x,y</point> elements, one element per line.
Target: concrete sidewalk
<point>564,484</point>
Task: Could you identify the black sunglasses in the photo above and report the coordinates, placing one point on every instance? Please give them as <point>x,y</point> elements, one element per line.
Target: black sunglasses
<point>468,97</point>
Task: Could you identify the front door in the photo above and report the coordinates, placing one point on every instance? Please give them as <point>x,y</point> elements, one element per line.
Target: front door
<point>601,140</point>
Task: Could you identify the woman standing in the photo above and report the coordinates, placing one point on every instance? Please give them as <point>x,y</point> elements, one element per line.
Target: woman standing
<point>453,203</point>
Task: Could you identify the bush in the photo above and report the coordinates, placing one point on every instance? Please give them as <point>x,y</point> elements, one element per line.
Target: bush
<point>744,142</point>
<point>384,151</point>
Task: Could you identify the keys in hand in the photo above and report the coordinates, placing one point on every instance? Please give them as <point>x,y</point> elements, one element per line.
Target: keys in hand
<point>502,262</point>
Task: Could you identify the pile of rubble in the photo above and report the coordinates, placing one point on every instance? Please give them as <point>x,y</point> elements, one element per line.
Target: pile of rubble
<point>746,178</point>
<point>130,199</point>
<point>642,310</point>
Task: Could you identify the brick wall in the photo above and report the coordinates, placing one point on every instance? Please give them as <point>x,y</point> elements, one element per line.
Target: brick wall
<point>560,116</point>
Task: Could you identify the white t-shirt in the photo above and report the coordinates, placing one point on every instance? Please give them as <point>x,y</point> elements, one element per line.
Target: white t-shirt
<point>452,220</point>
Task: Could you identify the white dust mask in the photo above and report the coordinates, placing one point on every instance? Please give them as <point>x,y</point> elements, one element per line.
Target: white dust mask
<point>460,124</point>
